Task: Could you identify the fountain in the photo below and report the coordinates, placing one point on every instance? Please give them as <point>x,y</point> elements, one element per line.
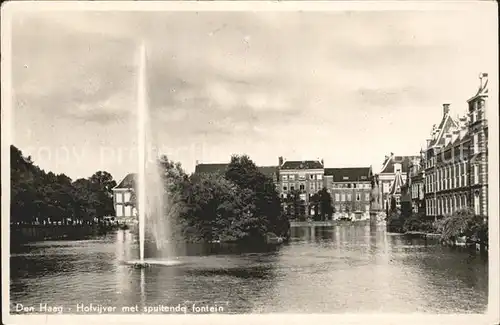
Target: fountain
<point>153,215</point>
<point>376,211</point>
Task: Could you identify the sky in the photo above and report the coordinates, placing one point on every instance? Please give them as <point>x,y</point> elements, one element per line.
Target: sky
<point>348,87</point>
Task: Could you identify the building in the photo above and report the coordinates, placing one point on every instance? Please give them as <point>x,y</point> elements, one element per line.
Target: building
<point>350,190</point>
<point>304,176</point>
<point>122,194</point>
<point>456,160</point>
<point>416,184</point>
<point>478,153</point>
<point>270,171</point>
<point>441,155</point>
<point>392,176</point>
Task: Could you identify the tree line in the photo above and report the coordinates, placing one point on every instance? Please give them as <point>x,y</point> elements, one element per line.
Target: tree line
<point>40,197</point>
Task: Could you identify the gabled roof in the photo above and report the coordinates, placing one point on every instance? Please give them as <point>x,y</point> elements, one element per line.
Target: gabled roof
<point>405,162</point>
<point>446,124</point>
<point>483,87</point>
<point>305,164</point>
<point>127,182</point>
<point>349,174</point>
<point>397,184</point>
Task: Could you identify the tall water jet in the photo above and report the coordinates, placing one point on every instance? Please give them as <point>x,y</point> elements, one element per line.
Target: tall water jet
<point>155,207</point>
<point>141,150</point>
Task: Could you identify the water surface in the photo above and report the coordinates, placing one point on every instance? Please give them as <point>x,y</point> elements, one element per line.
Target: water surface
<point>322,270</point>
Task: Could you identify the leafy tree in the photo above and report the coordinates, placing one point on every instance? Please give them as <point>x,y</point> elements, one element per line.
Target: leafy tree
<point>326,207</point>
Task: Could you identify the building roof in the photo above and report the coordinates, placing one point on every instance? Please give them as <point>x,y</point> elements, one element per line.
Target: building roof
<point>349,174</point>
<point>221,168</point>
<point>446,124</point>
<point>405,162</point>
<point>483,87</point>
<point>127,182</point>
<point>210,168</point>
<point>305,164</point>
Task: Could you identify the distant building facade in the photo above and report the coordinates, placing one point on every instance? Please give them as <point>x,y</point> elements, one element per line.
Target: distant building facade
<point>350,190</point>
<point>456,160</point>
<point>478,153</point>
<point>416,185</point>
<point>305,176</point>
<point>393,175</point>
<point>122,194</point>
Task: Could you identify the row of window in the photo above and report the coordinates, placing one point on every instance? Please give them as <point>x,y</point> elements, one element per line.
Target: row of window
<point>301,177</point>
<point>417,191</point>
<point>347,197</point>
<point>302,187</point>
<point>122,197</point>
<point>442,206</point>
<point>344,208</point>
<point>351,185</point>
<point>451,177</point>
<point>123,211</point>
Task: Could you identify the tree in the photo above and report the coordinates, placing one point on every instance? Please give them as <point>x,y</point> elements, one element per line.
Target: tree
<point>243,172</point>
<point>393,204</point>
<point>326,207</point>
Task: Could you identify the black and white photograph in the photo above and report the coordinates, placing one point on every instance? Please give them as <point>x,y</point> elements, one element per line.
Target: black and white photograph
<point>243,158</point>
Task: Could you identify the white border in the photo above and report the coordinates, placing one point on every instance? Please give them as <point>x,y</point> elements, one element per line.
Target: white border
<point>8,9</point>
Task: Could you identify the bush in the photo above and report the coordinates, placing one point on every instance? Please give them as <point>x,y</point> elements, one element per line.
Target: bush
<point>418,222</point>
<point>464,223</point>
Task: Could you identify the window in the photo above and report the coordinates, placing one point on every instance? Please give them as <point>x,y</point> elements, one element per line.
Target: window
<point>386,187</point>
<point>345,178</point>
<point>119,198</point>
<point>284,177</point>
<point>126,197</point>
<point>119,210</point>
<point>367,196</point>
<point>291,177</point>
<point>348,197</point>
<point>302,177</point>
<point>358,197</point>
<point>476,174</point>
<point>475,143</point>
<point>311,176</point>
<point>302,187</point>
<point>337,197</point>
<point>337,208</point>
<point>319,177</point>
<point>367,207</point>
<point>284,188</point>
<point>354,185</point>
<point>292,188</point>
<point>128,211</point>
<point>311,186</point>
<point>363,177</point>
<point>342,197</point>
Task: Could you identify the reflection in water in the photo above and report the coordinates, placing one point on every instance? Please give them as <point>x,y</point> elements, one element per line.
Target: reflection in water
<point>344,268</point>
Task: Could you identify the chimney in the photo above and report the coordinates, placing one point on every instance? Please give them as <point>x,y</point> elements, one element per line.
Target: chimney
<point>428,142</point>
<point>446,109</point>
<point>280,161</point>
<point>322,162</point>
<point>197,162</point>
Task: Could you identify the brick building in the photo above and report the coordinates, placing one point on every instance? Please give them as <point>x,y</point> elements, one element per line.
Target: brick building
<point>478,153</point>
<point>456,169</point>
<point>393,175</point>
<point>350,190</point>
<point>305,176</point>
